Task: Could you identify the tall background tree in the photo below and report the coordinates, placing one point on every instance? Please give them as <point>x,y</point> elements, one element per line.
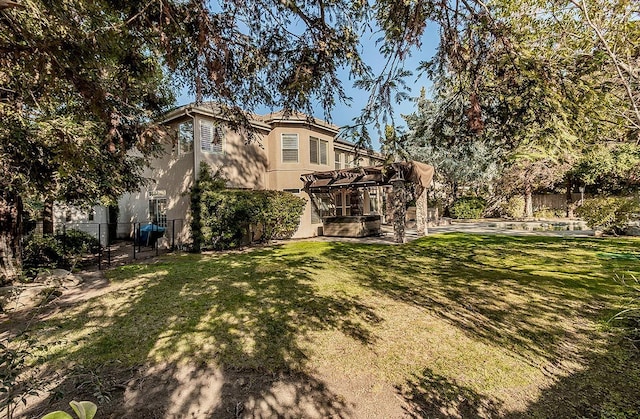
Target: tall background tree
<point>537,83</point>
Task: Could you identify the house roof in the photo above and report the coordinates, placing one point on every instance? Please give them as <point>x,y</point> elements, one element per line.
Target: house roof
<point>294,117</point>
<point>211,109</point>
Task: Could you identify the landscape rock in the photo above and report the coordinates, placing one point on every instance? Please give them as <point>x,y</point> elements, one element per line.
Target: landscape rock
<point>58,278</point>
<point>633,231</point>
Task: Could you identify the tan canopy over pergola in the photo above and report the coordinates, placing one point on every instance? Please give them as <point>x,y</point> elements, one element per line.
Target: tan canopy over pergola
<point>412,171</point>
<point>397,175</point>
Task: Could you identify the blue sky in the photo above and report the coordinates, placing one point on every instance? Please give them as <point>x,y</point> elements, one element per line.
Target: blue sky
<point>343,114</point>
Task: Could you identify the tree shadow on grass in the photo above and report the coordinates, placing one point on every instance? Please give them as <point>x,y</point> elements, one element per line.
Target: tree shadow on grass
<point>429,395</point>
<point>607,387</point>
<point>537,296</point>
<point>217,336</point>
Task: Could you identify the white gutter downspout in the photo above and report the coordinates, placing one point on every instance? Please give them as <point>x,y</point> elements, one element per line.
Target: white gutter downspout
<point>193,118</point>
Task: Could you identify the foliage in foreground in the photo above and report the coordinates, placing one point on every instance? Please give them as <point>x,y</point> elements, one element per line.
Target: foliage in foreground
<point>17,380</point>
<point>611,214</point>
<point>83,409</point>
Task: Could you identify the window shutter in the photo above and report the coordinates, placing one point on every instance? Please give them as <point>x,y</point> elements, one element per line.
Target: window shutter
<point>218,138</point>
<point>323,152</point>
<point>206,136</point>
<point>313,149</point>
<point>290,148</point>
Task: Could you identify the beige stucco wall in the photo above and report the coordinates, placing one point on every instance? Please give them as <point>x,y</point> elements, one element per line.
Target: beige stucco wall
<point>169,176</point>
<point>283,175</point>
<point>244,165</point>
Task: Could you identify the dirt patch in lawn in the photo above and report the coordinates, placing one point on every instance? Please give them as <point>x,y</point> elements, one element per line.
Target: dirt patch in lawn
<point>199,391</point>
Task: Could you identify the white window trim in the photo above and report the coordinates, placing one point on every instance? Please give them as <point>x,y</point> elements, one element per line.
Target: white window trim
<point>324,143</point>
<point>314,147</point>
<point>282,139</point>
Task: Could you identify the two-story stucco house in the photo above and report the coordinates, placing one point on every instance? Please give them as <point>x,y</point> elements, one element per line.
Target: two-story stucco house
<point>286,147</point>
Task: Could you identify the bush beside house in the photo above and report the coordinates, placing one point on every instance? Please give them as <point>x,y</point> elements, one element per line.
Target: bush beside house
<point>229,218</point>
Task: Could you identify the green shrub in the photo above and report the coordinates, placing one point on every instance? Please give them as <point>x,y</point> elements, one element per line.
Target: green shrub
<point>514,207</point>
<point>280,216</point>
<point>41,252</point>
<point>227,215</point>
<point>228,218</point>
<point>609,214</point>
<point>467,207</point>
<point>62,250</point>
<point>206,182</point>
<point>545,212</point>
<point>77,242</point>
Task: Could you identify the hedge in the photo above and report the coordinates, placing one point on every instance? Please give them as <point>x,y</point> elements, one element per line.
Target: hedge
<point>230,218</point>
<point>611,214</point>
<point>469,207</point>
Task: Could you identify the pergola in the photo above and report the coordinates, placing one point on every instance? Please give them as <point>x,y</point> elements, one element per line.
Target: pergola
<point>397,175</point>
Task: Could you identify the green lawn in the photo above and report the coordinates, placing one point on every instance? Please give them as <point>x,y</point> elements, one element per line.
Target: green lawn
<point>457,325</point>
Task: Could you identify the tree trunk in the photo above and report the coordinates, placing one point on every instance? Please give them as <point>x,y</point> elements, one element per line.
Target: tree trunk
<point>399,210</point>
<point>10,235</point>
<point>570,206</point>
<point>528,201</point>
<point>47,217</point>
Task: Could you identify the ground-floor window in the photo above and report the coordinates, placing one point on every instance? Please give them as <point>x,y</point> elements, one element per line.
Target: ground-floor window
<point>321,207</point>
<point>373,202</point>
<point>158,211</point>
<point>342,201</point>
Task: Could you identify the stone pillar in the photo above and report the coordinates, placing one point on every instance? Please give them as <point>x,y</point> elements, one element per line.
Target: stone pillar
<point>422,214</point>
<point>399,204</point>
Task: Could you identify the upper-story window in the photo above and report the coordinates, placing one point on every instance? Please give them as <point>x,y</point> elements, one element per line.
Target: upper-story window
<point>211,137</point>
<point>290,148</point>
<point>318,150</point>
<point>185,137</point>
<point>349,161</point>
<point>339,160</point>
